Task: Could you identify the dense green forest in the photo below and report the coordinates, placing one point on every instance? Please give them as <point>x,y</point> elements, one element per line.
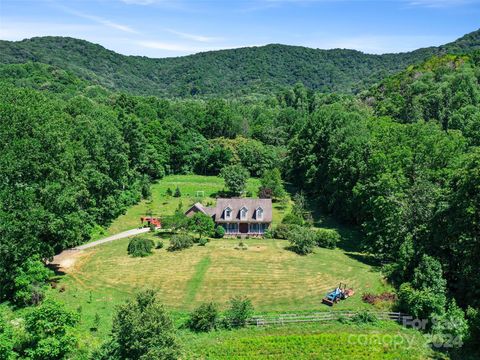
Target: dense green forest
<point>242,72</point>
<point>400,160</point>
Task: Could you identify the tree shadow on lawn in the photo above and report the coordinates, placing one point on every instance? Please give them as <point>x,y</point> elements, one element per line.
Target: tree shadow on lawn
<point>351,235</point>
<point>56,269</point>
<point>367,259</point>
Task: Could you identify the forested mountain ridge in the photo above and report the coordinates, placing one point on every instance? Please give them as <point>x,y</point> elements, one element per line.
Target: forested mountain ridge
<point>237,72</point>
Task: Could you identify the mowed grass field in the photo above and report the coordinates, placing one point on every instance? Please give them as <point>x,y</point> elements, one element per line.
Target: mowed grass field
<point>273,277</point>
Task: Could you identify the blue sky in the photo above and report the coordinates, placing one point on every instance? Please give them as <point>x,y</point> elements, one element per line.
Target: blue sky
<point>161,28</point>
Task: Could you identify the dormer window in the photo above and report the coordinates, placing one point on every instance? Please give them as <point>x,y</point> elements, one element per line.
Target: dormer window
<point>228,213</point>
<point>243,213</point>
<point>259,214</point>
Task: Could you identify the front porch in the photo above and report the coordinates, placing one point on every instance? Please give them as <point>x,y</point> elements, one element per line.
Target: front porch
<point>244,229</point>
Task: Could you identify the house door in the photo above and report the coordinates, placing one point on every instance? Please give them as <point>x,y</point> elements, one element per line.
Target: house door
<point>243,228</point>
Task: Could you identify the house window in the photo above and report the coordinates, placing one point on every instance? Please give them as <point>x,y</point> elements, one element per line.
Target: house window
<point>259,215</point>
<point>232,228</point>
<point>228,213</point>
<point>243,213</point>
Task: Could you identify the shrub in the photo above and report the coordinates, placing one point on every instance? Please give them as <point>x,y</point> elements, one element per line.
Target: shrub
<point>50,331</point>
<point>142,329</point>
<point>169,192</point>
<point>204,318</point>
<point>177,192</point>
<point>201,224</point>
<point>327,238</point>
<point>203,241</point>
<point>178,221</point>
<point>421,304</point>
<point>30,282</point>
<point>140,247</point>
<point>292,219</point>
<point>302,240</point>
<point>281,231</point>
<point>241,246</point>
<point>240,310</point>
<point>180,242</point>
<point>159,245</point>
<point>6,340</point>
<point>268,234</point>
<point>452,327</point>
<point>473,318</point>
<point>364,317</point>
<point>219,232</point>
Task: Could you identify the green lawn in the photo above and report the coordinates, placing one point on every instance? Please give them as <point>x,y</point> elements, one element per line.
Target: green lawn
<point>274,278</point>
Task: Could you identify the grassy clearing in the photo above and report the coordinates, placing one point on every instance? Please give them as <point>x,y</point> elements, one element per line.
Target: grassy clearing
<point>333,340</point>
<point>274,278</point>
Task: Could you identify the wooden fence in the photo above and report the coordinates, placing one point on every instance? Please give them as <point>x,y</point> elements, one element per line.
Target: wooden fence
<point>262,320</point>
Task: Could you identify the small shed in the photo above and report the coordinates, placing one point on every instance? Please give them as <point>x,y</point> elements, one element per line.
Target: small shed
<point>151,221</point>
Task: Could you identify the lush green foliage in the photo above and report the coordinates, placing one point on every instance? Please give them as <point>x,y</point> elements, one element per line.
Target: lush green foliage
<point>30,282</point>
<point>364,317</point>
<point>48,333</point>
<point>302,239</point>
<point>202,224</point>
<point>244,71</point>
<point>6,340</point>
<point>425,296</point>
<point>240,310</point>
<point>442,89</point>
<point>235,177</point>
<point>140,247</point>
<point>272,184</point>
<point>204,318</point>
<point>281,231</point>
<point>219,232</point>
<point>180,242</point>
<point>327,238</point>
<point>142,330</point>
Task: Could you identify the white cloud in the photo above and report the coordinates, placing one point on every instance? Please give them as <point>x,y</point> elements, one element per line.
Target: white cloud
<point>195,37</point>
<point>100,20</point>
<point>439,3</point>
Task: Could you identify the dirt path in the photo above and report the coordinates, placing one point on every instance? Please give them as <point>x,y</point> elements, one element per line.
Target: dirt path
<point>67,258</point>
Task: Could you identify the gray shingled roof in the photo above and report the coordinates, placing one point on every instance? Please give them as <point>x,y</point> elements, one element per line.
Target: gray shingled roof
<point>237,203</point>
<point>204,209</point>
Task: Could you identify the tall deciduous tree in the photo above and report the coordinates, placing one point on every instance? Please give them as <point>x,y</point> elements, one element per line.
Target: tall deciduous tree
<point>236,177</point>
<point>272,180</point>
<point>143,330</point>
<point>202,224</point>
